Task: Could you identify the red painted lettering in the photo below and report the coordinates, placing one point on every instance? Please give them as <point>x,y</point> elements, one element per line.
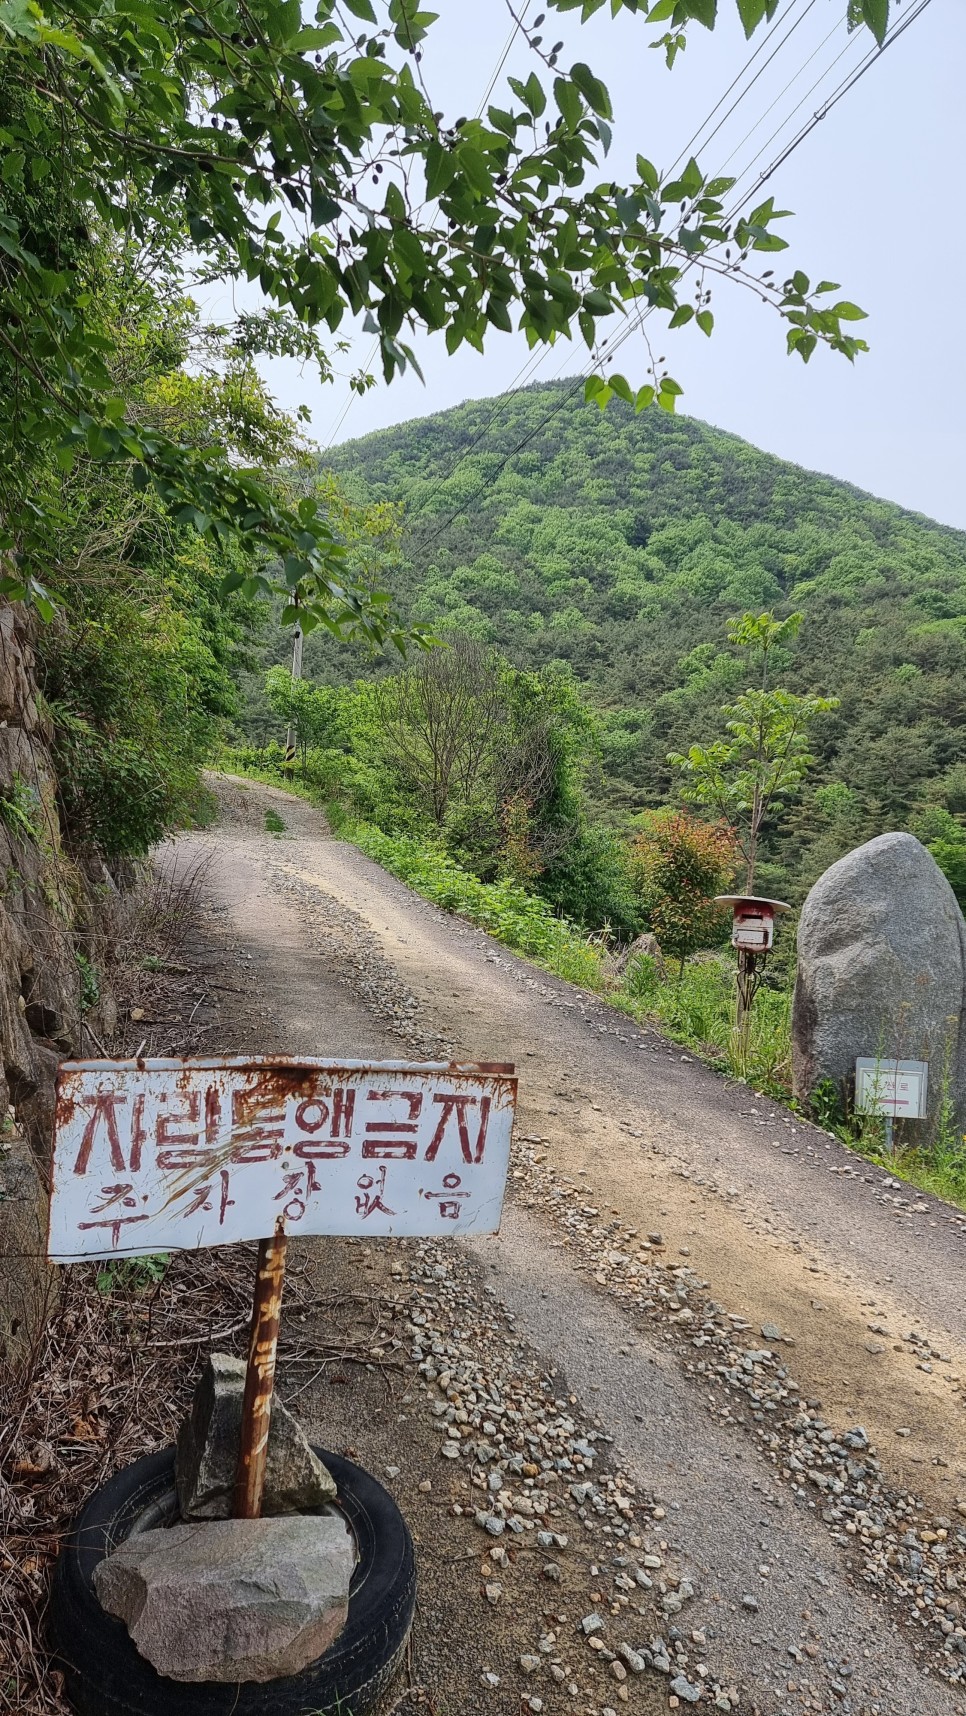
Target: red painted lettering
<point>451,1104</point>
<point>257,1127</point>
<point>105,1107</point>
<point>177,1147</point>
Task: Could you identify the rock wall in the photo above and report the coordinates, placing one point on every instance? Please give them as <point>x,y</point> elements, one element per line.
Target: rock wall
<point>55,918</point>
<point>881,970</point>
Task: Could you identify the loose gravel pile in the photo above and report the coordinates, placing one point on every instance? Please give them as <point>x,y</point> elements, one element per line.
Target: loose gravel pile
<point>536,1478</point>
<point>916,1560</point>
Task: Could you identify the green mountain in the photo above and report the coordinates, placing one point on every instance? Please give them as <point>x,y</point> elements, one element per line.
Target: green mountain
<point>621,545</point>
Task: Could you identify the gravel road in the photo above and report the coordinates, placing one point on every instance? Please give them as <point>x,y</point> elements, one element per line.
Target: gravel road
<point>738,1352</point>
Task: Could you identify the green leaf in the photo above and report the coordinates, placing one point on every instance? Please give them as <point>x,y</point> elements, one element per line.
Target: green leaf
<point>647,173</point>
<point>441,169</point>
<point>686,186</point>
<point>282,19</point>
<point>876,15</point>
<point>497,313</point>
<point>502,121</point>
<point>472,162</point>
<point>324,208</point>
<point>751,13</point>
<point>312,40</point>
<point>848,312</point>
<point>394,204</point>
<point>669,392</point>
<point>681,315</point>
<point>592,90</point>
<point>534,96</point>
<point>705,321</point>
<point>568,100</point>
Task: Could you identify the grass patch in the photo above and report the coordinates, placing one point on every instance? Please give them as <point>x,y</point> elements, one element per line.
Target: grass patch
<point>238,763</point>
<point>274,823</point>
<point>506,911</point>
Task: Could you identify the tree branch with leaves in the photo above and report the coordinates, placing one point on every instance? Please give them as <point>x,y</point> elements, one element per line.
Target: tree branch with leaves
<point>234,142</point>
<point>744,777</point>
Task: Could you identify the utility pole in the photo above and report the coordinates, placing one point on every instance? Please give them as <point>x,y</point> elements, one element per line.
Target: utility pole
<point>296,676</point>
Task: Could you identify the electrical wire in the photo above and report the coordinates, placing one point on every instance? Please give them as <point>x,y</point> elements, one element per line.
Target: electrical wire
<point>847,84</point>
<point>837,95</point>
<point>501,62</point>
<point>836,27</point>
<point>337,425</point>
<point>689,147</point>
<point>536,360</point>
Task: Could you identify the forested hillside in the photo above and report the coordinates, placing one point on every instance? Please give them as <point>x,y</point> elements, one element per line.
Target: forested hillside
<point>620,545</point>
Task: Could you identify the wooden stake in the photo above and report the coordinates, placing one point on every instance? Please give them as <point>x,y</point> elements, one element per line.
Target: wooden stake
<point>260,1377</point>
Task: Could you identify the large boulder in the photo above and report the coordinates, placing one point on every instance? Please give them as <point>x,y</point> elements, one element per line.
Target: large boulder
<point>881,968</point>
<point>206,1459</point>
<point>234,1599</point>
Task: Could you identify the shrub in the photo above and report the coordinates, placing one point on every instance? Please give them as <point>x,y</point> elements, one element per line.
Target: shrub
<point>111,792</point>
<point>506,911</point>
<point>678,863</point>
<point>592,882</point>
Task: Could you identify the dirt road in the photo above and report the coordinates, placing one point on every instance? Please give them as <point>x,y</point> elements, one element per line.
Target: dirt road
<point>721,1290</point>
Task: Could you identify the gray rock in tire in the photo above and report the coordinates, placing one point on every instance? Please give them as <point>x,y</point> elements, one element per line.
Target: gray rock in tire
<point>232,1600</point>
<point>207,1451</point>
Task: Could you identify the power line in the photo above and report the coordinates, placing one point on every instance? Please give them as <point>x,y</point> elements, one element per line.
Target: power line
<point>501,62</point>
<point>337,425</point>
<point>535,362</point>
<point>836,27</point>
<point>688,147</point>
<point>837,95</point>
<point>521,379</point>
<point>833,100</point>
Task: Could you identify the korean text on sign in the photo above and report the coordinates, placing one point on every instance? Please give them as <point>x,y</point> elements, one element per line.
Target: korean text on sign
<point>168,1155</point>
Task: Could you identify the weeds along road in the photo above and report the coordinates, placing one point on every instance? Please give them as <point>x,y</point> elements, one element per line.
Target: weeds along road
<point>722,1291</point>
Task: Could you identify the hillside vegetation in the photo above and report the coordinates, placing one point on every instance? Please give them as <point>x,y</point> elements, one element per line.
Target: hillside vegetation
<point>622,598</point>
<point>619,546</point>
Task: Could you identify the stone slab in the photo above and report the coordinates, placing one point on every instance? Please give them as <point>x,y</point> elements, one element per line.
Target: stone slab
<point>207,1451</point>
<point>232,1600</point>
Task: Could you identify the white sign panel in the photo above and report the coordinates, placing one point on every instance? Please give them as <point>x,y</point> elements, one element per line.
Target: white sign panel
<point>165,1155</point>
<point>896,1088</point>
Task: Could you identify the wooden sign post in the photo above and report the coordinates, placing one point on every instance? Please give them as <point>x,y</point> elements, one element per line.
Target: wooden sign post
<point>169,1155</point>
<point>260,1377</point>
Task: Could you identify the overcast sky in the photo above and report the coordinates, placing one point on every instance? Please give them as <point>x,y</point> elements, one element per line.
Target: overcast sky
<point>874,190</point>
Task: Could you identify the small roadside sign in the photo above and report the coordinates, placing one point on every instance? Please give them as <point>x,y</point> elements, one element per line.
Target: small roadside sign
<point>897,1089</point>
<point>162,1155</point>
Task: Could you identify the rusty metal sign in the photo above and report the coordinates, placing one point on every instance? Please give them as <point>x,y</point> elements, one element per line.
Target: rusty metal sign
<point>165,1155</point>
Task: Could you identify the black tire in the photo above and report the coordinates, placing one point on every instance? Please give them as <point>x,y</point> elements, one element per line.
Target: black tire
<point>106,1676</point>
